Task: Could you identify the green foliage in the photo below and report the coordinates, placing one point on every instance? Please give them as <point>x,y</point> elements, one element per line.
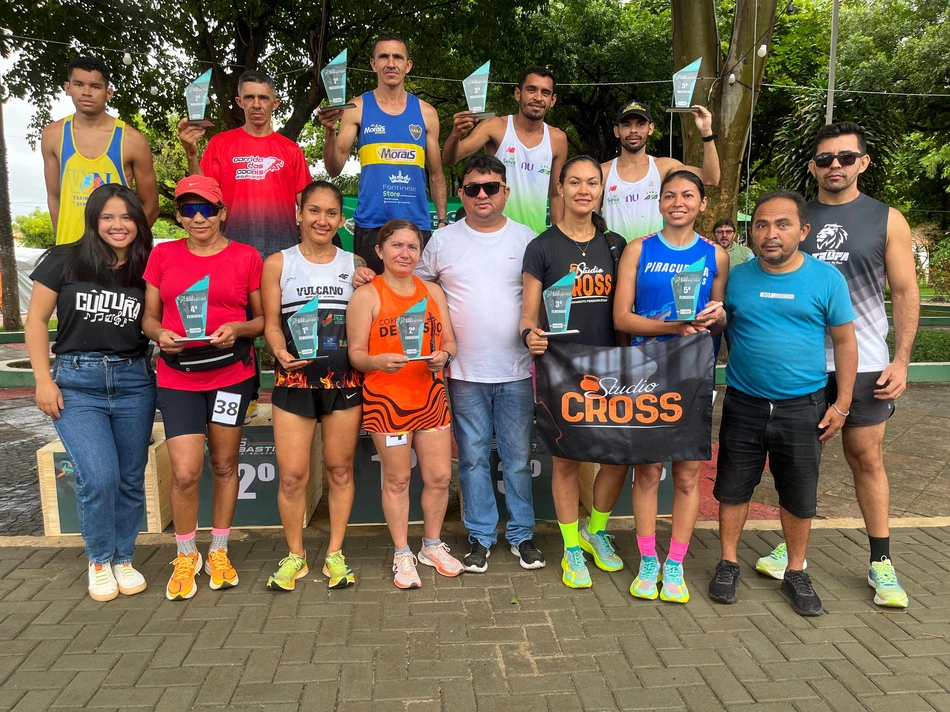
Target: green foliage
<point>940,267</point>
<point>35,229</point>
<point>165,229</point>
<point>931,346</point>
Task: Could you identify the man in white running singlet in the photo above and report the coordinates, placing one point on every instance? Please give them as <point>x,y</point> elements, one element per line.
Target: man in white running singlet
<point>532,151</point>
<point>631,199</point>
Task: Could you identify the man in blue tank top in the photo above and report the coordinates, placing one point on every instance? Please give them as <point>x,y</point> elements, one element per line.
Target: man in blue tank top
<point>397,139</point>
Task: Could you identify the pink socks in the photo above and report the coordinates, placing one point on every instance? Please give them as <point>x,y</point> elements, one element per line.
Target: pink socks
<point>647,545</point>
<point>678,550</point>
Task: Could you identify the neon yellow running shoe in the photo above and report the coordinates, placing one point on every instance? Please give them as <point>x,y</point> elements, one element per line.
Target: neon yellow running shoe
<point>291,568</point>
<point>674,588</point>
<point>338,574</point>
<point>887,591</point>
<point>600,545</point>
<point>774,564</point>
<point>644,585</point>
<point>575,570</point>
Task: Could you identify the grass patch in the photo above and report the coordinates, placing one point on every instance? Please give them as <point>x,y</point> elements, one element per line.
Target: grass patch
<point>932,345</point>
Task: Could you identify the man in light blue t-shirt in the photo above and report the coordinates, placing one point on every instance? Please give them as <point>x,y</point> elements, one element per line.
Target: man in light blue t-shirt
<point>780,307</point>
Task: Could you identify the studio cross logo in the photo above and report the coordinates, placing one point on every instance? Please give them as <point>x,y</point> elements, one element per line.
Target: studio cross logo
<point>606,401</point>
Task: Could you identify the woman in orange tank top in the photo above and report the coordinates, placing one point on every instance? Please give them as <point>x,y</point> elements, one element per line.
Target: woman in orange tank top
<point>404,401</point>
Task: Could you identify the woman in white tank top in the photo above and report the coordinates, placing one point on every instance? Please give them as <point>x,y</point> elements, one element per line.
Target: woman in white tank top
<point>314,276</point>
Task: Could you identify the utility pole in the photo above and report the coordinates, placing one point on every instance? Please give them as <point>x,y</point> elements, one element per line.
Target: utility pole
<point>830,106</point>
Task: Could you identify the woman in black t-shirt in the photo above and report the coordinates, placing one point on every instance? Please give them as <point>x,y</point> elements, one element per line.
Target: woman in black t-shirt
<point>101,394</point>
<point>578,242</point>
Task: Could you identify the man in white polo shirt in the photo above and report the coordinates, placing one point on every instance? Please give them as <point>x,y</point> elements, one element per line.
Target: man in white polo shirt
<point>478,263</point>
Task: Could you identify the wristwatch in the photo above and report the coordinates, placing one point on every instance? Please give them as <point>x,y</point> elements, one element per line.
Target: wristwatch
<point>449,360</point>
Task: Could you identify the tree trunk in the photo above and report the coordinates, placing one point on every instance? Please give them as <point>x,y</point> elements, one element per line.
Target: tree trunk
<point>695,34</point>
<point>8,276</point>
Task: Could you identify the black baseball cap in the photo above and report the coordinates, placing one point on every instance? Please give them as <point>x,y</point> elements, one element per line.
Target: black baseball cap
<point>633,108</point>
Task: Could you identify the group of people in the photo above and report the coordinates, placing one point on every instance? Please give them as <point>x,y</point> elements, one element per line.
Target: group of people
<point>262,243</point>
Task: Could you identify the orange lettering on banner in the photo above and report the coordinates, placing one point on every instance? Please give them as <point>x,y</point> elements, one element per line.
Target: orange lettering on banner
<point>645,403</point>
<point>613,406</point>
<point>566,401</point>
<point>596,410</point>
<point>674,412</point>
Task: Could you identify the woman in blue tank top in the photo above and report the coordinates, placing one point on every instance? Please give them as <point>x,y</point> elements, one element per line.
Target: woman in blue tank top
<point>646,308</point>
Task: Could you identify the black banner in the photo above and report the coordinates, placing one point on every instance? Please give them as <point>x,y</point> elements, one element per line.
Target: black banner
<point>650,403</point>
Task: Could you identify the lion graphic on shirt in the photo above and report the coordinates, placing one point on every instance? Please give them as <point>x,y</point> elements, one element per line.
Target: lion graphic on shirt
<point>831,237</point>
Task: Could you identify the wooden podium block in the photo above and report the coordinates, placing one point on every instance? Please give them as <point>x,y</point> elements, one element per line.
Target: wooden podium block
<point>58,487</point>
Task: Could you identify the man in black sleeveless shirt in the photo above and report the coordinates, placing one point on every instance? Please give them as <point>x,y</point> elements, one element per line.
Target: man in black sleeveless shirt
<point>870,244</point>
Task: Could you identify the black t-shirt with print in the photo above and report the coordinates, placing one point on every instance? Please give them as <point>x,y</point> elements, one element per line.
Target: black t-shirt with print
<point>93,317</point>
<point>551,255</point>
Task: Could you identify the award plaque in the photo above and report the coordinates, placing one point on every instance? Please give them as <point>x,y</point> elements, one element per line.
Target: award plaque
<point>684,81</point>
<point>196,97</point>
<point>557,305</point>
<point>304,328</point>
<point>686,290</point>
<point>411,327</point>
<point>193,310</point>
<point>476,92</point>
<point>334,81</point>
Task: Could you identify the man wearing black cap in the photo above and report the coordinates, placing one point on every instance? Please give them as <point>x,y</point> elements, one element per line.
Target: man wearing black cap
<point>631,202</point>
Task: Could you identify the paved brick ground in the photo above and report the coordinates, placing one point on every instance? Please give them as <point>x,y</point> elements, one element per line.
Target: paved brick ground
<point>509,640</point>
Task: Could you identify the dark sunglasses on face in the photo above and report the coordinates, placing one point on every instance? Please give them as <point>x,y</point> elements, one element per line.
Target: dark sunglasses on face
<point>207,210</point>
<point>845,158</point>
<point>491,188</point>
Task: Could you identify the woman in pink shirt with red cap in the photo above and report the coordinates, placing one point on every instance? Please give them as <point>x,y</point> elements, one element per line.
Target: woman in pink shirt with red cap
<point>196,294</point>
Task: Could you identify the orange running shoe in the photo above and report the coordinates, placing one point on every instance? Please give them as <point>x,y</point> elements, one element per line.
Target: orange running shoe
<point>182,583</point>
<point>219,569</point>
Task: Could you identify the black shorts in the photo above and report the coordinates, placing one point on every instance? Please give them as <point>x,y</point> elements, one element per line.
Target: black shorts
<point>190,412</point>
<point>314,402</point>
<point>364,245</point>
<point>865,408</point>
<point>784,430</point>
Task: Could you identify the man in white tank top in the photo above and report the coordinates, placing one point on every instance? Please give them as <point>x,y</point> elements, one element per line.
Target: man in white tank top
<point>631,202</point>
<point>532,151</point>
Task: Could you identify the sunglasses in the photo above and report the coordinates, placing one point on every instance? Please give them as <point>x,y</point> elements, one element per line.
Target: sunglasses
<point>845,159</point>
<point>206,210</point>
<point>491,188</point>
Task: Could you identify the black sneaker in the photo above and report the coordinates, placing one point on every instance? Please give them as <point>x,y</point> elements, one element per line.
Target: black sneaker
<point>722,588</point>
<point>530,555</point>
<point>797,585</point>
<point>476,560</point>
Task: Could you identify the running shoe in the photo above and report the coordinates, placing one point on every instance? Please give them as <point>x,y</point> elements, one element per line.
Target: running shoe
<point>289,569</point>
<point>404,570</point>
<point>476,560</point>
<point>102,583</point>
<point>887,591</point>
<point>219,569</point>
<point>774,564</point>
<point>182,585</point>
<point>644,585</point>
<point>722,588</point>
<point>529,556</point>
<point>674,588</point>
<point>798,587</point>
<point>251,411</point>
<point>440,559</point>
<point>600,545</point>
<point>128,579</point>
<point>338,574</point>
<point>575,570</point>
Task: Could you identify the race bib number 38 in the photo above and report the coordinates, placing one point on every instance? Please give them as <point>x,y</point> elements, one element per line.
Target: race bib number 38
<point>226,408</point>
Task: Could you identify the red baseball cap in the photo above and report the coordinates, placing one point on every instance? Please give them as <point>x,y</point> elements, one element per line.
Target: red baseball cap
<point>202,186</point>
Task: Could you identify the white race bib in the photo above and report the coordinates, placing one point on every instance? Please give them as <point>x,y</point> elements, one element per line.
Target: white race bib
<point>227,408</point>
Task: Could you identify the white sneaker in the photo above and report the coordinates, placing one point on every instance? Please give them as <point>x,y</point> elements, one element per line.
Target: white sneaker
<point>102,583</point>
<point>128,579</point>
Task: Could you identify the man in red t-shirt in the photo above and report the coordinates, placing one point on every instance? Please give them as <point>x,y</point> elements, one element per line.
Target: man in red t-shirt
<point>261,173</point>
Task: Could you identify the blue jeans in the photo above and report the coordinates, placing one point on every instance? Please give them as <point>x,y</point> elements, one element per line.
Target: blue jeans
<point>106,423</point>
<point>478,409</point>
